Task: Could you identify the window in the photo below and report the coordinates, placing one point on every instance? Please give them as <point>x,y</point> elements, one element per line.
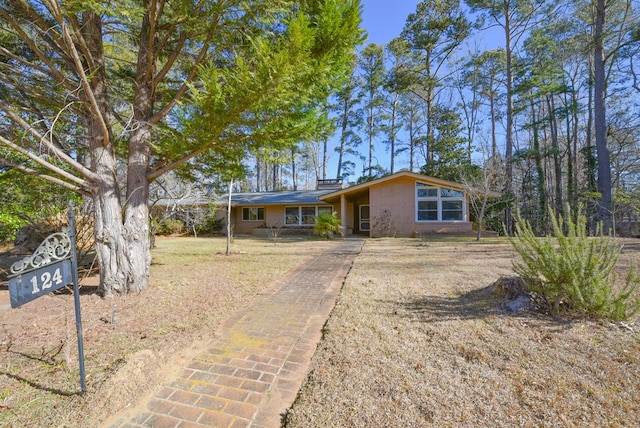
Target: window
<point>439,203</point>
<point>304,216</point>
<point>252,214</point>
<point>427,210</point>
<point>308,215</point>
<point>292,215</point>
<point>325,210</point>
<point>451,210</point>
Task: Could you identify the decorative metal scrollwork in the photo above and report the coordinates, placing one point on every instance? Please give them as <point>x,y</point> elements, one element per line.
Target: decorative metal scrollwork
<point>54,248</point>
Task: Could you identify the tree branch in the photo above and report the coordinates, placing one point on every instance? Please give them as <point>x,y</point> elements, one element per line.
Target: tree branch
<point>44,163</point>
<point>87,173</point>
<point>50,178</point>
<point>152,175</point>
<point>82,44</point>
<point>194,70</point>
<point>93,103</point>
<point>34,47</point>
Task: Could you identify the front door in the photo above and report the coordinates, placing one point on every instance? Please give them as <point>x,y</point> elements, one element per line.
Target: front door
<point>364,218</point>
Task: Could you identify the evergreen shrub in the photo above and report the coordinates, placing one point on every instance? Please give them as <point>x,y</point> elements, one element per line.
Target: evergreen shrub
<point>573,273</point>
<point>170,227</point>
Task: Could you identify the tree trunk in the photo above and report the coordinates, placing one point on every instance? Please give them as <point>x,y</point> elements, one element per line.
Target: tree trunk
<point>540,180</point>
<point>392,136</point>
<point>508,155</point>
<point>294,177</point>
<point>429,108</point>
<point>494,138</point>
<point>600,121</point>
<point>557,160</point>
<point>325,142</point>
<point>137,208</point>
<point>258,173</point>
<point>571,142</point>
<point>343,136</point>
<point>370,132</point>
<point>111,247</point>
<point>412,143</point>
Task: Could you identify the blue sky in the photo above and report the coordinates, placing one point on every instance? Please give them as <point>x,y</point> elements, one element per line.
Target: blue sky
<point>384,19</point>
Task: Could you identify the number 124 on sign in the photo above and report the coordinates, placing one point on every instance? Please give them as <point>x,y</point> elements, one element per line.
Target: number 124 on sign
<point>31,285</point>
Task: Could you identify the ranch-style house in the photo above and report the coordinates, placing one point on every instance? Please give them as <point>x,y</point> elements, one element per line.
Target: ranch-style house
<point>404,204</point>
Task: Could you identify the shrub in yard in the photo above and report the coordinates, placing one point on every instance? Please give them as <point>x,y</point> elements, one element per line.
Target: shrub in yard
<point>326,224</point>
<point>574,273</point>
<point>211,224</point>
<point>170,227</point>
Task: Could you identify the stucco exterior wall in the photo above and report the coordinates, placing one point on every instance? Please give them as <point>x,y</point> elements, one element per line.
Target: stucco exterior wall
<point>393,212</point>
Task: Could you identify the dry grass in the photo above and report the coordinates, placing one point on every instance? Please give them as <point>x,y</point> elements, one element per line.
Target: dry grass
<point>417,339</point>
<point>194,287</point>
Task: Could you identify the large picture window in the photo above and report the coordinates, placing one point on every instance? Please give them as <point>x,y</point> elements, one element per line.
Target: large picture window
<point>253,214</point>
<point>304,216</point>
<point>439,203</point>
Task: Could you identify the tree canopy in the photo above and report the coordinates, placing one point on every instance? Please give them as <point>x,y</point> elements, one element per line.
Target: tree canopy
<point>103,98</point>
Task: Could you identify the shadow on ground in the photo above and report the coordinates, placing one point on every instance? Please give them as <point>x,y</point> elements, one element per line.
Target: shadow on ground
<point>477,303</point>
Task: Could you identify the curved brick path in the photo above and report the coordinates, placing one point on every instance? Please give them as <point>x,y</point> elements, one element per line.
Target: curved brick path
<point>253,371</point>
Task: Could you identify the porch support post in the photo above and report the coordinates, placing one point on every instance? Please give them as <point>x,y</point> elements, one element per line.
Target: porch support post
<point>343,215</point>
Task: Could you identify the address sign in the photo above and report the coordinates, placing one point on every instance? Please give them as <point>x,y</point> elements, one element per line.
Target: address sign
<point>46,270</point>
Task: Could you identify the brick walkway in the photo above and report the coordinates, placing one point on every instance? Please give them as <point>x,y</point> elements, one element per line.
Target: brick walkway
<point>253,371</point>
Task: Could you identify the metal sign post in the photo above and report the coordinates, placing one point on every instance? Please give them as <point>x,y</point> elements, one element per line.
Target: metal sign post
<point>52,266</point>
<point>76,298</point>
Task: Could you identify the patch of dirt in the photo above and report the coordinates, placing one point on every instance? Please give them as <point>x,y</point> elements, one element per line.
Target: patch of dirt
<point>40,350</point>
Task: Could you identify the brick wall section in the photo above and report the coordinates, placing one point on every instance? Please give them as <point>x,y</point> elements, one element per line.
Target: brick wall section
<point>393,212</point>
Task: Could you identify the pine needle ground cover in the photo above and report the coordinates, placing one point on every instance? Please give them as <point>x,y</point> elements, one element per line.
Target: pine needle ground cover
<point>418,339</point>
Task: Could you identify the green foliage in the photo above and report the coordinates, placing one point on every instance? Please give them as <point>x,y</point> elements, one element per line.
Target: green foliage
<point>271,93</point>
<point>210,223</point>
<point>9,226</point>
<point>327,224</point>
<point>25,199</point>
<point>170,227</point>
<point>449,157</point>
<point>573,273</point>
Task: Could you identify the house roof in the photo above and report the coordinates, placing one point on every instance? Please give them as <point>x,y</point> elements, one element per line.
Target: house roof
<point>349,191</point>
<point>296,197</point>
<point>285,197</point>
<point>196,201</point>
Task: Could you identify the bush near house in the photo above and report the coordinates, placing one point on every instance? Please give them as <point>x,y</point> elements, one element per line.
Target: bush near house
<point>210,224</point>
<point>327,224</point>
<point>170,227</point>
<point>573,273</point>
